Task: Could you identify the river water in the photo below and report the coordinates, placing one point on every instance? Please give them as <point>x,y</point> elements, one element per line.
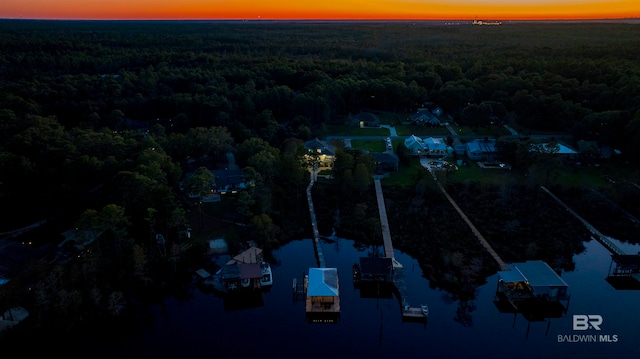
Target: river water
<point>275,327</point>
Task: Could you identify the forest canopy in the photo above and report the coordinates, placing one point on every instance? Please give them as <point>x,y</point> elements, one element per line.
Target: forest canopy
<point>83,101</point>
<point>101,123</point>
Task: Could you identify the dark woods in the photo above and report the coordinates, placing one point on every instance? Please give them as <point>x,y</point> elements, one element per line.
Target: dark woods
<point>101,121</point>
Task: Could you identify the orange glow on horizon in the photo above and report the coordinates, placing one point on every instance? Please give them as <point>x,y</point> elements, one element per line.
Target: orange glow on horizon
<point>320,10</point>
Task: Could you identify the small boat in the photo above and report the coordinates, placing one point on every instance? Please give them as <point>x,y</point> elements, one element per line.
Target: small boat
<point>425,310</point>
<point>267,276</point>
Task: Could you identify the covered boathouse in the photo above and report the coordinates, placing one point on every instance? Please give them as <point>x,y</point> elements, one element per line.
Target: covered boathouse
<point>531,284</point>
<point>323,295</point>
<point>243,271</point>
<point>624,271</point>
<point>374,277</point>
<point>375,269</point>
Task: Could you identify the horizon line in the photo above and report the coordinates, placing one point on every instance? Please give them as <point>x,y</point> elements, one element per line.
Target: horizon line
<point>325,19</point>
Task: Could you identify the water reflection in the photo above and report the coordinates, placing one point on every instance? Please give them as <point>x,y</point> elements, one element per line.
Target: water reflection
<point>371,324</point>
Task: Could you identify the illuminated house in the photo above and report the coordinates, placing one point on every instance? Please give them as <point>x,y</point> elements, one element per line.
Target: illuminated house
<point>321,150</point>
<point>431,147</point>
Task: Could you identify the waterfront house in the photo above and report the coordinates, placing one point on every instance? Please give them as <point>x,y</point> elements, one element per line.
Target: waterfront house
<point>481,149</point>
<point>436,147</point>
<point>385,162</point>
<point>229,180</point>
<point>424,117</point>
<point>321,151</point>
<point>366,119</point>
<point>414,144</point>
<point>243,270</point>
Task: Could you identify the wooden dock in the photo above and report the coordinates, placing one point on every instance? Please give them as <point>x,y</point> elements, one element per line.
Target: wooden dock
<point>413,313</point>
<point>476,232</point>
<point>604,240</point>
<point>408,312</point>
<point>299,290</point>
<point>314,225</point>
<point>386,233</point>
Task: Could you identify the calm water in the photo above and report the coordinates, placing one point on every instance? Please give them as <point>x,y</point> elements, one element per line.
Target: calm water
<point>372,328</point>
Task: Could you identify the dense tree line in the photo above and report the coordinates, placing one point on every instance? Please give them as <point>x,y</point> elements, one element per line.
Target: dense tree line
<point>100,122</point>
<point>275,81</point>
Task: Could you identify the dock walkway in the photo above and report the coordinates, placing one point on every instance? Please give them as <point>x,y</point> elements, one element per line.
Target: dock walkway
<point>398,275</point>
<point>314,225</point>
<point>386,233</point>
<point>483,241</point>
<point>604,240</point>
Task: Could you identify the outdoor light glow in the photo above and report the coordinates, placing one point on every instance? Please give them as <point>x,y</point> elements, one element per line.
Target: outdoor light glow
<point>330,10</point>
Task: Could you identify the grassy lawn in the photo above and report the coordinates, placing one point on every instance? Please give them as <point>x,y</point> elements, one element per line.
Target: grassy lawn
<point>339,144</point>
<point>495,131</point>
<point>392,118</point>
<point>477,174</point>
<point>580,176</point>
<point>369,145</point>
<point>406,176</point>
<point>345,130</point>
<point>585,176</point>
<point>592,176</point>
<point>408,130</point>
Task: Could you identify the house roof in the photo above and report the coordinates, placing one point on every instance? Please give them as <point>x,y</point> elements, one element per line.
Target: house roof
<point>481,146</point>
<point>424,115</point>
<point>230,271</point>
<point>366,117</point>
<point>537,273</point>
<point>323,282</point>
<point>228,177</point>
<point>584,146</point>
<point>251,255</point>
<point>418,116</point>
<point>250,270</point>
<point>564,150</point>
<point>511,276</point>
<point>413,141</point>
<point>435,144</point>
<point>318,144</point>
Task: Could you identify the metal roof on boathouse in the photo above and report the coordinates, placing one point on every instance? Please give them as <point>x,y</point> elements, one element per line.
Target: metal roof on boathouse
<point>540,277</point>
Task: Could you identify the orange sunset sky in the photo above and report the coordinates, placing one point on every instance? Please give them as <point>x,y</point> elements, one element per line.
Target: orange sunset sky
<point>320,9</point>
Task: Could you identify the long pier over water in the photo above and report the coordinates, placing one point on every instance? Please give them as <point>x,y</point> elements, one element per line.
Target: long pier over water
<point>314,226</point>
<point>476,232</point>
<point>604,240</point>
<point>386,233</point>
<point>398,275</point>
